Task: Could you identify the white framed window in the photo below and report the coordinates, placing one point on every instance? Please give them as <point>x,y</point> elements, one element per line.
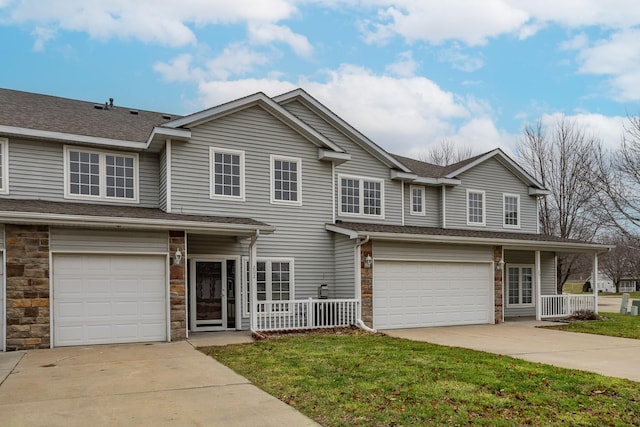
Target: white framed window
<point>475,207</point>
<point>4,166</point>
<point>275,281</point>
<point>226,173</point>
<point>361,196</point>
<point>520,285</point>
<point>511,210</point>
<point>418,204</point>
<point>286,180</point>
<point>93,174</point>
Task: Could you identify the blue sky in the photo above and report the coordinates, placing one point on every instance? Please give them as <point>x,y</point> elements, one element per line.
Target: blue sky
<point>409,74</point>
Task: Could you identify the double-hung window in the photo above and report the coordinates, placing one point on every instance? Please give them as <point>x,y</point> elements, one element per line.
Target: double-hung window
<point>275,281</point>
<point>227,173</point>
<point>286,182</point>
<point>417,200</point>
<point>511,203</point>
<point>520,284</point>
<point>4,166</point>
<point>475,207</point>
<point>361,196</point>
<point>95,174</point>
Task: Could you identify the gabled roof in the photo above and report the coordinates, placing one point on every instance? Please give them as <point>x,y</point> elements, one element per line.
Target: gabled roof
<point>43,116</point>
<point>343,127</point>
<point>460,236</point>
<point>268,104</point>
<point>429,170</point>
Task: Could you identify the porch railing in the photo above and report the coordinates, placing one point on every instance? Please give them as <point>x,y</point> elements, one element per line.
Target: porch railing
<point>565,305</point>
<point>305,314</point>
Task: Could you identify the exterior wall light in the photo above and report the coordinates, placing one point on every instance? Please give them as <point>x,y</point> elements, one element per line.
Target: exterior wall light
<point>501,264</point>
<point>368,261</point>
<point>177,258</point>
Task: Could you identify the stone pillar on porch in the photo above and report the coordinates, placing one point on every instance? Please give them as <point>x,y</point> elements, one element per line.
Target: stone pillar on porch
<point>366,284</point>
<point>498,263</point>
<point>177,286</point>
<point>27,279</point>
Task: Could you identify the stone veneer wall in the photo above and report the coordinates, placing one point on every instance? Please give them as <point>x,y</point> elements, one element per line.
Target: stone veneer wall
<point>366,284</point>
<point>27,278</point>
<point>497,283</point>
<point>177,286</point>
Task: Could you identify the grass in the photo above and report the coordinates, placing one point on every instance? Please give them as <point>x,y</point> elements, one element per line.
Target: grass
<point>572,287</point>
<point>615,325</point>
<point>374,380</point>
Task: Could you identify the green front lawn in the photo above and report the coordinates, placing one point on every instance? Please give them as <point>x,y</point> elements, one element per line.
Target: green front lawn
<point>614,325</point>
<point>374,380</point>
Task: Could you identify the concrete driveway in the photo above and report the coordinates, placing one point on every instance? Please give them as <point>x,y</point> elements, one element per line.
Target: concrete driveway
<point>163,384</point>
<point>615,357</point>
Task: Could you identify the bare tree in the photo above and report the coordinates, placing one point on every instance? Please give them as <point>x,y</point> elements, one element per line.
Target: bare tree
<point>622,261</point>
<point>564,159</point>
<point>446,153</point>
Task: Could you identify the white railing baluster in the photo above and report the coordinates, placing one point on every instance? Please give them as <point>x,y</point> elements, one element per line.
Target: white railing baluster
<point>305,314</point>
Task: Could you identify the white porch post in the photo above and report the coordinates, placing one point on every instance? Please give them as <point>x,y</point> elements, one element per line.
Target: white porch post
<point>538,287</point>
<point>594,282</point>
<point>253,279</point>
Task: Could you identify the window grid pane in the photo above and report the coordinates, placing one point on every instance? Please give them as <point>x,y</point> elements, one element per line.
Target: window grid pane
<point>350,189</point>
<point>285,180</point>
<point>526,285</point>
<point>417,197</point>
<point>120,176</point>
<point>514,285</point>
<point>475,208</point>
<point>511,210</point>
<point>280,281</point>
<point>226,174</point>
<point>372,198</point>
<point>84,173</point>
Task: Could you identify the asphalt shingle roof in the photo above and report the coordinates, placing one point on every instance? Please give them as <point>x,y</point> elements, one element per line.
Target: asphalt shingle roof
<point>430,170</point>
<point>54,114</point>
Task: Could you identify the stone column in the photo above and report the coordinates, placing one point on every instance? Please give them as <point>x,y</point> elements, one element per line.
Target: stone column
<point>366,284</point>
<point>498,283</point>
<point>27,277</point>
<point>177,286</point>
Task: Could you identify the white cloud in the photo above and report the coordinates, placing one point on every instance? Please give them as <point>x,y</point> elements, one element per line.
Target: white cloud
<point>42,35</point>
<point>608,129</point>
<point>165,22</point>
<point>405,66</point>
<point>460,61</point>
<point>267,33</point>
<point>179,69</point>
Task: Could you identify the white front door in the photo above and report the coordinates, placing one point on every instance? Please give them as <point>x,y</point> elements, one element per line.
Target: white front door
<point>210,284</point>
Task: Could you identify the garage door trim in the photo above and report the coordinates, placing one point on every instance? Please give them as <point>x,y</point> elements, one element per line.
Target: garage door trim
<point>167,274</point>
<point>491,282</point>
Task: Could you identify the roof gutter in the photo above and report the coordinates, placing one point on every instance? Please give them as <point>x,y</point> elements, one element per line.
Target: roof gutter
<point>414,178</point>
<point>71,137</point>
<point>135,223</point>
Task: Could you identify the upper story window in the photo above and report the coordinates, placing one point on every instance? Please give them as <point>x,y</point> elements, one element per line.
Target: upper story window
<point>227,173</point>
<point>4,166</point>
<point>511,210</point>
<point>286,182</point>
<point>361,196</point>
<point>417,200</point>
<point>100,175</point>
<point>475,207</point>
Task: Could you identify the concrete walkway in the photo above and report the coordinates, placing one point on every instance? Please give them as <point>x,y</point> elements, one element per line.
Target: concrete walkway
<point>163,384</point>
<point>614,357</point>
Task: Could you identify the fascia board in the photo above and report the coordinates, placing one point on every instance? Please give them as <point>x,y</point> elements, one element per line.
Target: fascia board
<point>135,223</point>
<point>71,137</point>
<point>533,191</point>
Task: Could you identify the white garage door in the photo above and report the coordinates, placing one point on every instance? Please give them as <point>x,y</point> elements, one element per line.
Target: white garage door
<point>417,294</point>
<point>104,299</point>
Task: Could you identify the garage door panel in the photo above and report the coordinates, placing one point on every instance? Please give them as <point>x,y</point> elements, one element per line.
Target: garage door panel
<point>417,294</point>
<point>100,299</point>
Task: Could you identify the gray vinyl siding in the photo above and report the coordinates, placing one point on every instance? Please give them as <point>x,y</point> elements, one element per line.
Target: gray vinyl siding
<point>495,180</point>
<point>162,181</point>
<point>433,208</point>
<point>344,267</point>
<point>300,230</point>
<point>547,278</point>
<point>202,244</point>
<point>108,241</point>
<point>1,236</point>
<point>362,164</point>
<point>431,252</point>
<point>36,171</point>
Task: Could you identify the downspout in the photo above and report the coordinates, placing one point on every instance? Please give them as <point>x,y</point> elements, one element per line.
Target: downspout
<point>253,282</point>
<point>359,321</point>
<point>444,207</point>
